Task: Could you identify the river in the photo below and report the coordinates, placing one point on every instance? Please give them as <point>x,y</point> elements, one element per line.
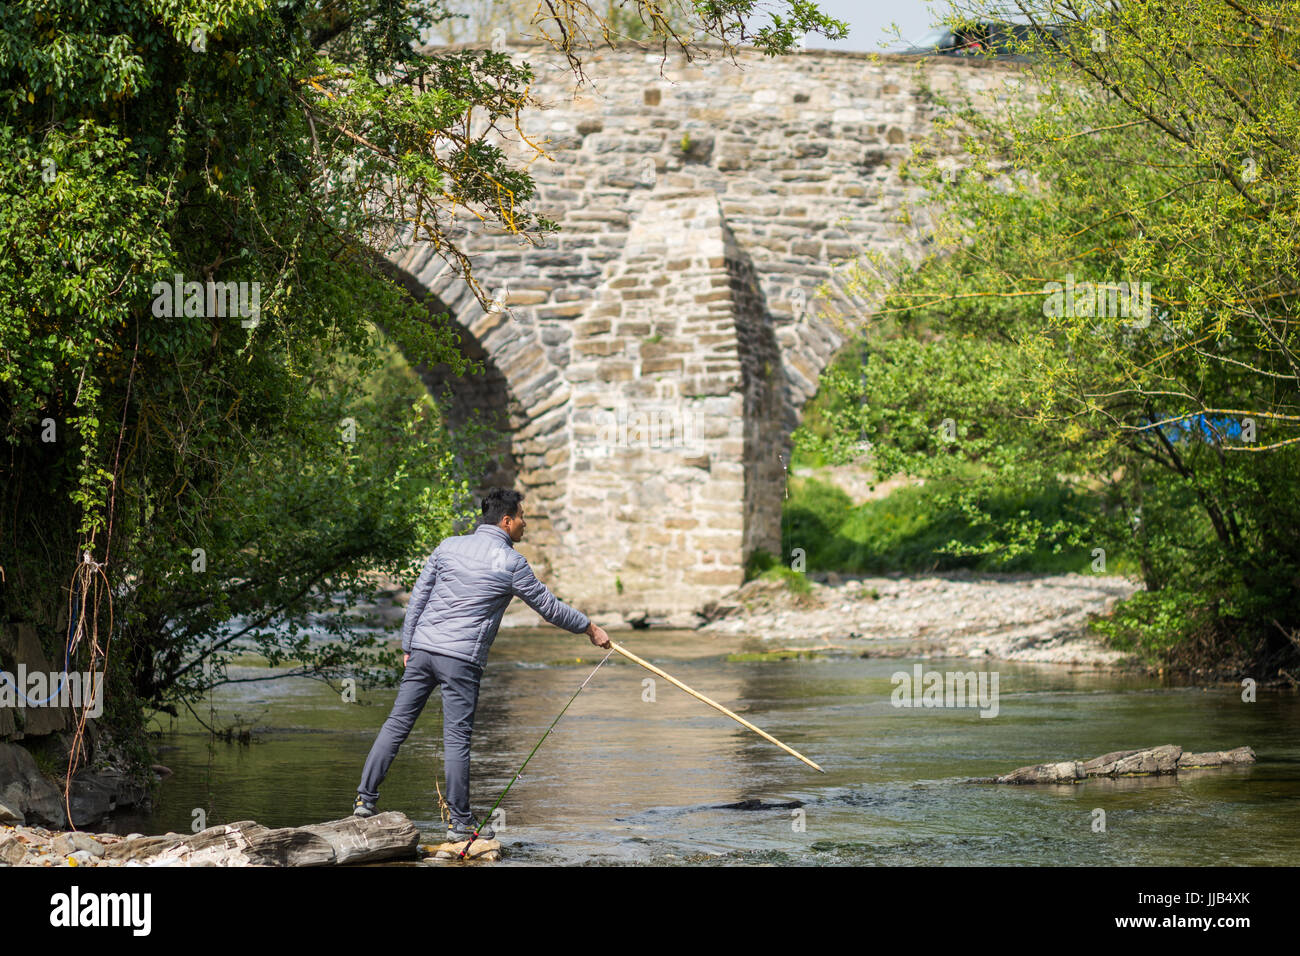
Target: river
<point>629,780</point>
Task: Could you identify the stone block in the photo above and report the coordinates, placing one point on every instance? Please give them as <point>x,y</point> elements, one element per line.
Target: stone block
<point>615,371</point>
<point>599,347</point>
<point>659,366</point>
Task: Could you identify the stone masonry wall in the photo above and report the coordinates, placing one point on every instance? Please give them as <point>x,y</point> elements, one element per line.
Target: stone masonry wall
<point>657,353</point>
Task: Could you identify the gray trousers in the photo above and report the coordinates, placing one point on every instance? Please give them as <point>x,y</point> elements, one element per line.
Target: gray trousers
<point>459,680</point>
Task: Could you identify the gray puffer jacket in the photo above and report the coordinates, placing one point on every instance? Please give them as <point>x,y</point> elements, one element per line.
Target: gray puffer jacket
<point>461,595</point>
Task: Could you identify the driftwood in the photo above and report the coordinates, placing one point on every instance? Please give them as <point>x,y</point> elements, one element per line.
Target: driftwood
<point>385,836</point>
<point>1153,761</point>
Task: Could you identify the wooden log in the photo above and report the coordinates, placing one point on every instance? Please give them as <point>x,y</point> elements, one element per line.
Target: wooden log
<point>226,836</point>
<point>1067,771</point>
<point>385,836</point>
<point>1100,766</point>
<point>1157,760</point>
<point>1216,758</point>
<point>289,847</point>
<point>1151,761</point>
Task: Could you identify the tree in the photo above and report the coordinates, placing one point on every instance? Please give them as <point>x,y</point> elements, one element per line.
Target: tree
<point>1108,304</point>
<point>195,201</point>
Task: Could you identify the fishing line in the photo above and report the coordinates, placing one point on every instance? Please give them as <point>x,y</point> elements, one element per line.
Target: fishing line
<point>465,849</point>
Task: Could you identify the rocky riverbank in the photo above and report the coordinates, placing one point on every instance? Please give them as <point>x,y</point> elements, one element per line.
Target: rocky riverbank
<point>1007,616</point>
<point>350,841</point>
<point>28,796</point>
<point>1014,617</point>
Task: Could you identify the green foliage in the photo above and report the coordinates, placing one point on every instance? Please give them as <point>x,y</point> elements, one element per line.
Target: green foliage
<point>236,143</point>
<point>766,566</point>
<point>941,526</point>
<point>239,472</point>
<point>1157,151</point>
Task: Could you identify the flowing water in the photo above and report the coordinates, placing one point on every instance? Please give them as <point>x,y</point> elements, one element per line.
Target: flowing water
<point>626,779</point>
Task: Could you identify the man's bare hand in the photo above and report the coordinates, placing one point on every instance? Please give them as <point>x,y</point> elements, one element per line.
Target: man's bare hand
<point>598,636</point>
<point>406,659</point>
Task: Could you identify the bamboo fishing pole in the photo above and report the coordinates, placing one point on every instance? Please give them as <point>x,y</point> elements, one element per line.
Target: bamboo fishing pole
<point>712,703</point>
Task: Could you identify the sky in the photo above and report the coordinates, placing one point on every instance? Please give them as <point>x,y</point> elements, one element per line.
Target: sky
<point>868,19</point>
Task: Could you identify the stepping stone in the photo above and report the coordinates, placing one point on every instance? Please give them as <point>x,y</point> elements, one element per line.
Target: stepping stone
<point>487,850</point>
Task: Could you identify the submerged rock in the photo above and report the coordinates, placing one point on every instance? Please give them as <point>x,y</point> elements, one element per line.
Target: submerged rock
<point>759,805</point>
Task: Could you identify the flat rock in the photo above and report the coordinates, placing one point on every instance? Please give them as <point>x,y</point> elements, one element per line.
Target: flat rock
<point>286,846</point>
<point>12,850</point>
<point>66,844</point>
<point>487,850</point>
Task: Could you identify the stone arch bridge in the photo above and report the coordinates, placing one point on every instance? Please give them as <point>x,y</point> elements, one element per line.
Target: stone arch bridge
<point>649,364</point>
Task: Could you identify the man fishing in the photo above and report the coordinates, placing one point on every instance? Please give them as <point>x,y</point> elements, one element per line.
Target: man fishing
<point>451,620</point>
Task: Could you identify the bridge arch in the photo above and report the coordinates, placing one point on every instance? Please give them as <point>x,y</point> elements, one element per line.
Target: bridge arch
<point>652,360</point>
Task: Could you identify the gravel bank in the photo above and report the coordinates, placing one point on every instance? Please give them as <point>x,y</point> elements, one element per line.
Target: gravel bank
<point>1014,617</point>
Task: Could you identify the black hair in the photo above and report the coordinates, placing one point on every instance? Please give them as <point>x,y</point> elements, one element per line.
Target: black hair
<point>498,503</point>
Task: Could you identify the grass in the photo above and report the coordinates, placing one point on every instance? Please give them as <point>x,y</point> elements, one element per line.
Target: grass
<point>910,529</point>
